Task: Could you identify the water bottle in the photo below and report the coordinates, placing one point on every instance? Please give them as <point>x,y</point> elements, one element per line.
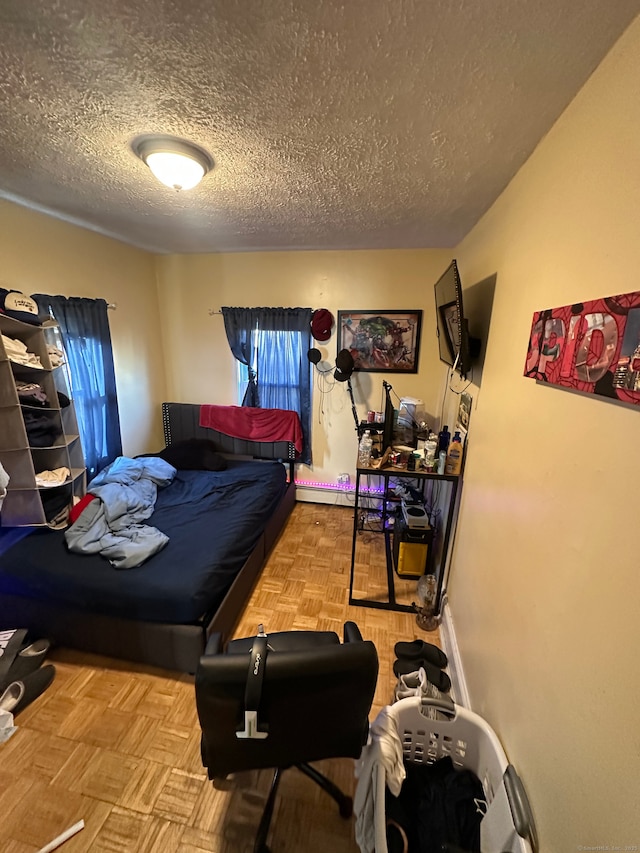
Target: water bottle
<point>364,450</point>
<point>431,451</point>
<point>426,618</point>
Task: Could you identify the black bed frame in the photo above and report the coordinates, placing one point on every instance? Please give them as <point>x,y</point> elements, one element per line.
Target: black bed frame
<point>174,647</point>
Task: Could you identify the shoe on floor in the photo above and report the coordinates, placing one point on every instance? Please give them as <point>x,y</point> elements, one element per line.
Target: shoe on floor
<point>27,660</point>
<point>419,650</point>
<point>12,641</point>
<point>416,684</point>
<point>435,675</point>
<point>20,694</point>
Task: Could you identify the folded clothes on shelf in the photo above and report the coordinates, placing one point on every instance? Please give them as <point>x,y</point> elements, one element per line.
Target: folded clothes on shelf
<point>18,353</point>
<point>56,503</point>
<point>32,394</point>
<point>49,479</point>
<point>43,428</point>
<point>56,356</point>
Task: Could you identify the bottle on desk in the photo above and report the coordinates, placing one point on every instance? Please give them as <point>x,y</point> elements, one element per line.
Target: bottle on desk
<point>431,451</point>
<point>444,437</point>
<point>453,464</point>
<point>364,450</point>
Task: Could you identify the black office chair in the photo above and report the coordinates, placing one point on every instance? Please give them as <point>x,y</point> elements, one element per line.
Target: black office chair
<point>284,700</point>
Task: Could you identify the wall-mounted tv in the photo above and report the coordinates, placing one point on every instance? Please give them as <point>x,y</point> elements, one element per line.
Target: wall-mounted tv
<point>457,347</point>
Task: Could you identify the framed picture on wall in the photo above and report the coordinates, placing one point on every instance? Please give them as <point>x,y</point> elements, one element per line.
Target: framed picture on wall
<point>381,341</point>
<point>464,415</point>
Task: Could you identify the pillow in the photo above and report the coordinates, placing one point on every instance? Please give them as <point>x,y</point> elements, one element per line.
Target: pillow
<point>194,454</point>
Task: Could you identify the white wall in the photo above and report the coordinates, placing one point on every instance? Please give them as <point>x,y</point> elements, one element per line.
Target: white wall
<point>544,584</point>
<point>39,254</point>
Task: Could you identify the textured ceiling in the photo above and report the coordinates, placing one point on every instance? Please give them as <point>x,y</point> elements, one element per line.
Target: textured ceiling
<point>354,124</point>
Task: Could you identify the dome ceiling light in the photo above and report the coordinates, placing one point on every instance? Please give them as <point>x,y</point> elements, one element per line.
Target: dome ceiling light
<point>178,164</point>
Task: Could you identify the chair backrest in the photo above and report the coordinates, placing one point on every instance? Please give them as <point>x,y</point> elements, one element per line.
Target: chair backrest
<point>314,704</point>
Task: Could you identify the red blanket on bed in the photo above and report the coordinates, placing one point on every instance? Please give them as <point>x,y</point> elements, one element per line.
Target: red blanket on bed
<point>254,424</point>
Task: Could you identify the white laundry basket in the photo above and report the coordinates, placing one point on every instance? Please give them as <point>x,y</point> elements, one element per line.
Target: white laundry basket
<point>471,743</point>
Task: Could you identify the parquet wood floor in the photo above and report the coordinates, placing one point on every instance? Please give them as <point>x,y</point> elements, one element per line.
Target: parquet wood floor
<point>117,744</point>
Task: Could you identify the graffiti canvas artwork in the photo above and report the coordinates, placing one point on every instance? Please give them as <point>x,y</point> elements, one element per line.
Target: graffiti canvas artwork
<point>593,347</point>
<point>381,341</point>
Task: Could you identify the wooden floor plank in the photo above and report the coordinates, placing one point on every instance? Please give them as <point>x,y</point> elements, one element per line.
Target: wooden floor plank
<point>118,744</point>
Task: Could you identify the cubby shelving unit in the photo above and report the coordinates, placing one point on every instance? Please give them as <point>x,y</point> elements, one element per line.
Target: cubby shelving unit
<point>26,503</point>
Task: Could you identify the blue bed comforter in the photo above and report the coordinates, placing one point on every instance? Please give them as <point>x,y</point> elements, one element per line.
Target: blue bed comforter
<point>125,496</point>
<point>213,521</point>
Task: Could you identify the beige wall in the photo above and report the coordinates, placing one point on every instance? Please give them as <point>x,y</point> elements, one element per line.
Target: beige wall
<point>43,255</point>
<point>544,584</point>
<point>201,369</point>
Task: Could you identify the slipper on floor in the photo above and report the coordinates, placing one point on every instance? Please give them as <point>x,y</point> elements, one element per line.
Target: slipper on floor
<point>28,660</point>
<point>11,641</point>
<point>419,650</point>
<point>435,675</point>
<point>20,694</point>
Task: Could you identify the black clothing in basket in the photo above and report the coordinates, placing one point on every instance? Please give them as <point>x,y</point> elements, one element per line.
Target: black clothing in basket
<point>438,804</point>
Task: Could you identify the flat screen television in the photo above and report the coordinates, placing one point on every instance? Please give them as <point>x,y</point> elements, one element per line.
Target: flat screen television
<point>457,347</point>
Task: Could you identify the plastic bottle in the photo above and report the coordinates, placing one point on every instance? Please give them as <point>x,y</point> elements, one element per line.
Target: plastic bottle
<point>421,438</point>
<point>426,617</point>
<point>364,450</point>
<point>444,437</point>
<point>427,591</point>
<point>431,451</point>
<point>454,456</point>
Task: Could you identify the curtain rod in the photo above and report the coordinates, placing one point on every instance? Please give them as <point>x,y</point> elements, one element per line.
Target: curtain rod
<point>112,305</point>
<point>213,311</point>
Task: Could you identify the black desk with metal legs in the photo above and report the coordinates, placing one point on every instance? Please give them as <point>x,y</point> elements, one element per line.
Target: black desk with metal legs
<point>448,504</point>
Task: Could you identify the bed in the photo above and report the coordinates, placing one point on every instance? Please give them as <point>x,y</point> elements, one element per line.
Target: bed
<point>221,527</point>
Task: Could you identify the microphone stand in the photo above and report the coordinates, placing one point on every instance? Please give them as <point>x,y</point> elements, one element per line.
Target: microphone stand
<point>353,405</point>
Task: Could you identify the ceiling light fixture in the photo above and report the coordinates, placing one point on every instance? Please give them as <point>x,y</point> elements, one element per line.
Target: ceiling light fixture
<point>178,164</point>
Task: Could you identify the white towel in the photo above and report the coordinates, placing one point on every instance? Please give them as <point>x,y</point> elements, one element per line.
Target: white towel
<point>4,482</point>
<point>381,754</point>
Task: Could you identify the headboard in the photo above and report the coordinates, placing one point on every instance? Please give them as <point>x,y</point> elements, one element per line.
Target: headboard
<point>182,421</point>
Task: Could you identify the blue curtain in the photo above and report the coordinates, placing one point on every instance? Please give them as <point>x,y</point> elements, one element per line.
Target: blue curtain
<point>239,324</point>
<point>84,327</point>
<point>273,343</point>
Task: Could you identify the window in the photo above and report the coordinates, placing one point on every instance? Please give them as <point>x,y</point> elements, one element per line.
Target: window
<point>275,360</point>
<point>271,345</point>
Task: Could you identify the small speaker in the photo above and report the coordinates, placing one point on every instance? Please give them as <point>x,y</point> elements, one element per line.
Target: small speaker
<point>415,516</point>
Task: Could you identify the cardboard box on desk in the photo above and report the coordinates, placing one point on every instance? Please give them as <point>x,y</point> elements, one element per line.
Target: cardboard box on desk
<point>383,461</point>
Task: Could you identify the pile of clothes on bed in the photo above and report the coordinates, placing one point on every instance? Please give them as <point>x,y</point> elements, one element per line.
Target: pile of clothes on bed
<point>121,497</point>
